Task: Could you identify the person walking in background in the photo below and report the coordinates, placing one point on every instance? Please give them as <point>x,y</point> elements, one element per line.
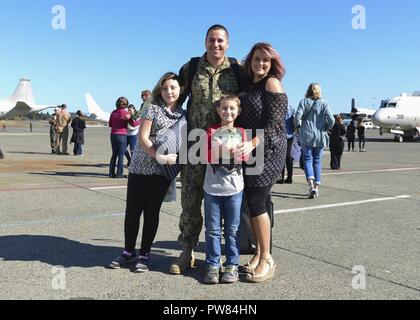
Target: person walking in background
<point>337,143</point>
<point>147,183</point>
<point>118,121</point>
<point>53,135</point>
<point>132,133</point>
<point>290,134</point>
<point>264,107</point>
<point>361,129</point>
<point>314,119</point>
<point>78,138</point>
<point>351,136</point>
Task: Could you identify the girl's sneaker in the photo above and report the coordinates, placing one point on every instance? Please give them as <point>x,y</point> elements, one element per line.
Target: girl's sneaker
<point>122,260</point>
<point>144,263</point>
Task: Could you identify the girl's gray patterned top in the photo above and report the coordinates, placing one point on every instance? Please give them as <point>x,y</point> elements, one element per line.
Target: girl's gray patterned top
<point>141,162</point>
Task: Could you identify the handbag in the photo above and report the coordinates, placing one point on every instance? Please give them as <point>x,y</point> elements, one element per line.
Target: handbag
<point>170,143</point>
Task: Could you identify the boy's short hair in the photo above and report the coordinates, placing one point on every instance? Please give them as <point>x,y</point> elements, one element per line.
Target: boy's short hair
<point>231,97</point>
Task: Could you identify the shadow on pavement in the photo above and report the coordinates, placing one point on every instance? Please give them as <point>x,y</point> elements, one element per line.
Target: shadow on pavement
<point>71,174</point>
<point>290,195</point>
<point>55,251</point>
<point>27,152</point>
<point>98,165</point>
<point>58,251</point>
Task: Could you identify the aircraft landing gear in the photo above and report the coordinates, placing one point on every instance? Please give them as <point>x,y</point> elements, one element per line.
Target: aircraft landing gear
<point>398,138</point>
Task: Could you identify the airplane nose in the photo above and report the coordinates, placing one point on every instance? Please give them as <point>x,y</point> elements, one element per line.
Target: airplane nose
<point>377,118</point>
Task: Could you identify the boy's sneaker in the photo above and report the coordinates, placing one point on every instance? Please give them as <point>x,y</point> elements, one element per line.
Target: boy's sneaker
<point>123,260</point>
<point>316,193</point>
<point>144,263</point>
<point>212,275</point>
<point>230,274</point>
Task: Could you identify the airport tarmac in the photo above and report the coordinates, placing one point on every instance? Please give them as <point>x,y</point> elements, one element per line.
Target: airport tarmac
<point>61,222</point>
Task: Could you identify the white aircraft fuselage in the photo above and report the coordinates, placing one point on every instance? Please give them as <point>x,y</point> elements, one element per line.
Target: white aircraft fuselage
<point>400,116</point>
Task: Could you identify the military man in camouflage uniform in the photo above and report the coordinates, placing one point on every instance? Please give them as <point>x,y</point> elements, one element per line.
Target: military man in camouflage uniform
<point>214,77</point>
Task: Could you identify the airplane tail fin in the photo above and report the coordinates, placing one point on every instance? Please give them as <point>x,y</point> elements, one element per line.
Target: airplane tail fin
<point>22,100</point>
<point>353,106</point>
<point>94,108</point>
<point>24,93</point>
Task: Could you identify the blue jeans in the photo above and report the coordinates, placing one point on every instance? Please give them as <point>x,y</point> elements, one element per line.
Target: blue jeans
<point>228,208</point>
<point>312,163</point>
<point>119,145</point>
<point>77,149</point>
<point>131,143</point>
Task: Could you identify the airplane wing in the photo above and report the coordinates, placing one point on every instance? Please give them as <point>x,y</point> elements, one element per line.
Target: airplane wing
<point>39,108</point>
<point>19,109</point>
<point>354,115</point>
<point>22,108</point>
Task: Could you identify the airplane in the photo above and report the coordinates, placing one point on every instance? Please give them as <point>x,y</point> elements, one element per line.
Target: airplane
<point>399,116</point>
<point>357,113</point>
<point>94,109</point>
<point>21,102</point>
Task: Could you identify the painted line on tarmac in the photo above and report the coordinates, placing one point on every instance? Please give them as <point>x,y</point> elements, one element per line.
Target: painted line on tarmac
<point>365,171</point>
<point>107,188</point>
<point>343,204</point>
<point>122,214</point>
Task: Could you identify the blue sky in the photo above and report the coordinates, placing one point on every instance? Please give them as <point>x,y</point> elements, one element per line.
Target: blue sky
<point>112,48</point>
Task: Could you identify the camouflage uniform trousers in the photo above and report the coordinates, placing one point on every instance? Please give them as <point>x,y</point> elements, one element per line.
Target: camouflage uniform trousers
<point>191,221</point>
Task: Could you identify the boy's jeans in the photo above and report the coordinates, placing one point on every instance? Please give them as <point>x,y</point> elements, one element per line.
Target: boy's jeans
<point>228,208</point>
<point>312,163</point>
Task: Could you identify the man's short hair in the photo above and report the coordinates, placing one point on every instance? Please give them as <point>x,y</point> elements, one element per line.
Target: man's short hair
<point>217,27</point>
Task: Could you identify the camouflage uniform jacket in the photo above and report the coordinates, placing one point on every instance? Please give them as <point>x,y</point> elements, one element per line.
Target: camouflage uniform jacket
<point>208,86</point>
